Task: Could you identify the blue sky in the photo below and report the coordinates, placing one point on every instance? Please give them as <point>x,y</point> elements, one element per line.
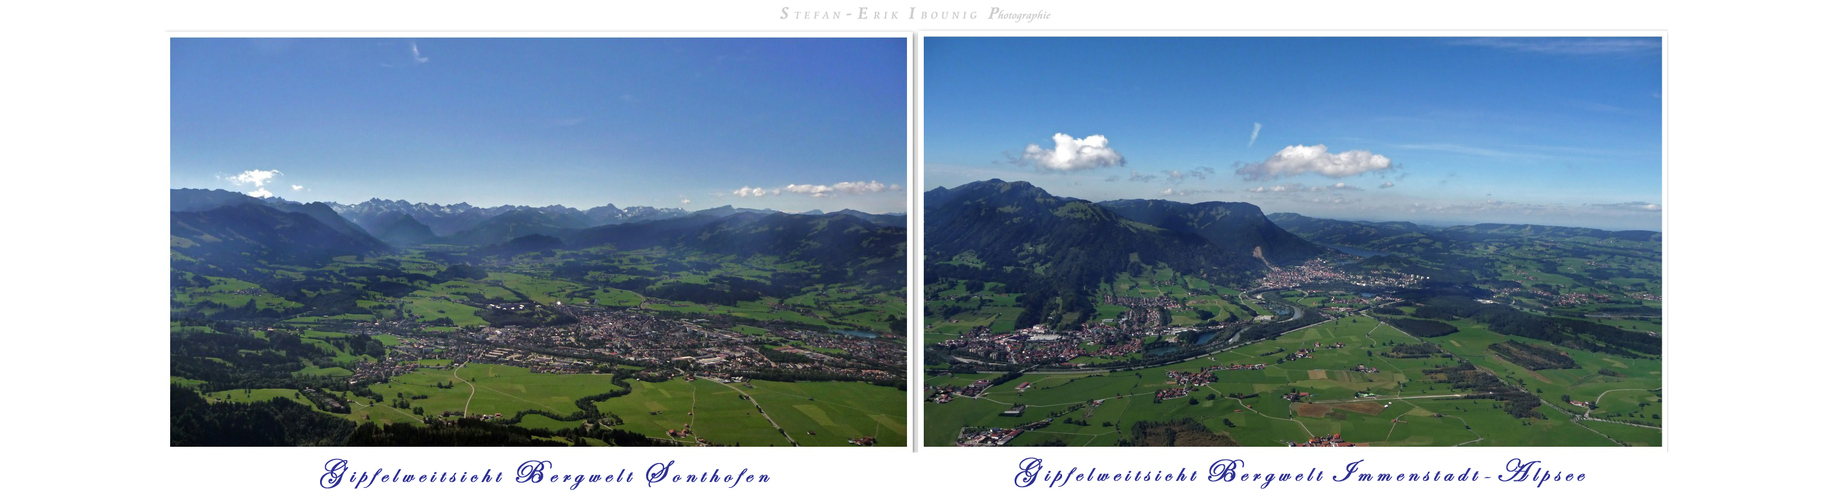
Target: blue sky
<point>578,122</point>
<point>1563,131</point>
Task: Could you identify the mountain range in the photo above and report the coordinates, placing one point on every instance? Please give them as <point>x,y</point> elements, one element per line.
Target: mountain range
<point>1051,247</point>
<point>1018,224</point>
<point>1410,238</point>
<point>232,227</point>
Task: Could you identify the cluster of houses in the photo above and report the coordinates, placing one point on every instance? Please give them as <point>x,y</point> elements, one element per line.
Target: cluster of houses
<point>634,337</point>
<point>1324,441</point>
<point>1321,271</point>
<point>1205,375</point>
<point>479,416</point>
<point>1576,298</point>
<point>1163,302</point>
<point>946,393</point>
<point>997,436</point>
<point>1171,393</point>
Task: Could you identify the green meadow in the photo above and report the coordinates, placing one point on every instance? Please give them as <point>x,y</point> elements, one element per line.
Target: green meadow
<point>1408,409</point>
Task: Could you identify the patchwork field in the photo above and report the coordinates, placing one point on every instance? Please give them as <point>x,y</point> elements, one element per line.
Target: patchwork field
<point>1358,390</point>
<point>811,413</point>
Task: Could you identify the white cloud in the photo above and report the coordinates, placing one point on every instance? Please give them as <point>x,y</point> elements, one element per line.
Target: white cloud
<point>1255,128</point>
<point>296,187</point>
<point>1190,192</point>
<point>416,57</point>
<point>1296,187</point>
<point>685,201</point>
<point>1386,185</point>
<point>823,190</point>
<point>1280,188</point>
<point>257,179</point>
<point>1071,154</point>
<point>1176,176</point>
<point>1136,177</point>
<point>1631,206</point>
<point>1299,159</point>
<point>747,191</point>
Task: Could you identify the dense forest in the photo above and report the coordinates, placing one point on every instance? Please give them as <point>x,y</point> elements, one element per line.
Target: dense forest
<point>274,422</point>
<point>1568,332</point>
<point>1516,402</point>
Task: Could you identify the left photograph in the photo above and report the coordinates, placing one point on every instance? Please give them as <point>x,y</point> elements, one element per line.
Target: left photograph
<point>539,242</point>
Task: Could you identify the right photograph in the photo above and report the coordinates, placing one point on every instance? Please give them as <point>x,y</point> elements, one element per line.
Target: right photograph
<point>1292,241</point>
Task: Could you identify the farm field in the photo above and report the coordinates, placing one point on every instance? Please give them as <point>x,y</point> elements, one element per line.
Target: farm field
<point>1400,404</point>
<point>812,413</point>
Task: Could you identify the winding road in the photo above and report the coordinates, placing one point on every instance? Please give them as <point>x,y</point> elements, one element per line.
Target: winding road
<point>466,382</point>
<point>771,420</point>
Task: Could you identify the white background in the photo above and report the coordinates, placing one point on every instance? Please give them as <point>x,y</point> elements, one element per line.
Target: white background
<point>86,173</point>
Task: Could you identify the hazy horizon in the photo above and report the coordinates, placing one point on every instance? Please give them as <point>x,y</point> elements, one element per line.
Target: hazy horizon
<point>1424,221</point>
<point>281,196</point>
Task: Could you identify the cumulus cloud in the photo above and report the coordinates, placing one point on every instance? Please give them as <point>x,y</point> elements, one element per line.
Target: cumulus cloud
<point>747,192</point>
<point>296,187</point>
<point>1255,128</point>
<point>820,190</point>
<point>1136,177</point>
<point>1386,185</point>
<point>1299,159</point>
<point>1070,154</point>
<point>257,179</point>
<point>685,201</point>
